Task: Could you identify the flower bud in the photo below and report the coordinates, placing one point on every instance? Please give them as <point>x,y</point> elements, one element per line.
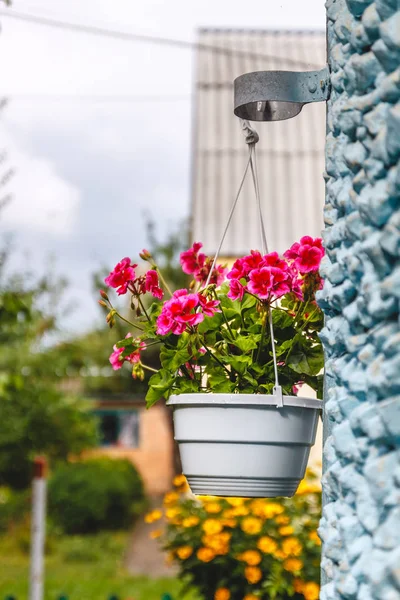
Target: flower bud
<point>102,303</point>
<point>145,255</point>
<point>103,294</point>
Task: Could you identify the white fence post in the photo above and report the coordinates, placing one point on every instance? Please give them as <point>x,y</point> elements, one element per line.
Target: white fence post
<point>38,528</point>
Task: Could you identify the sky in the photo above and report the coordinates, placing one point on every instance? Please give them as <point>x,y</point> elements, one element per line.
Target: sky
<point>98,130</point>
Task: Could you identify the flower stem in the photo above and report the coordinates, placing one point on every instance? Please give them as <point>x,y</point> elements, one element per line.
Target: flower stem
<point>148,368</point>
<point>165,284</point>
<point>143,308</point>
<point>224,316</point>
<point>263,329</point>
<point>129,322</point>
<point>217,360</point>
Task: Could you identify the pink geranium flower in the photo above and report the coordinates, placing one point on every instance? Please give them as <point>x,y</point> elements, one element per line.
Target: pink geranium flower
<point>115,358</point>
<point>179,313</point>
<point>152,284</point>
<point>261,282</point>
<point>191,260</point>
<point>121,276</point>
<point>274,260</point>
<point>306,254</point>
<point>236,290</point>
<point>209,307</point>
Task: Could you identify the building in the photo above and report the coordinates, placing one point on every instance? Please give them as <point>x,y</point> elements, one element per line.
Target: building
<point>290,153</point>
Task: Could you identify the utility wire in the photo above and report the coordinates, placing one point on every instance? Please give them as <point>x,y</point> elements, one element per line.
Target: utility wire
<point>137,37</point>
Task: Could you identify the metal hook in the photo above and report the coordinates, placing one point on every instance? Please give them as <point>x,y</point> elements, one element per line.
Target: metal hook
<point>251,135</point>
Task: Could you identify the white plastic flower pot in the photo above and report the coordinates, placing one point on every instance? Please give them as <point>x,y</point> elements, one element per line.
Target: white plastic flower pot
<point>243,444</point>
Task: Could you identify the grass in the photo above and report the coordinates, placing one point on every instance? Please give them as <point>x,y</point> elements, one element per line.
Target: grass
<point>79,567</point>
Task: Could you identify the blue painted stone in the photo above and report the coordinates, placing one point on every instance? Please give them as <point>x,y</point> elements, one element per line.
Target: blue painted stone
<point>393,131</point>
<point>357,7</point>
<point>375,204</point>
<point>390,286</point>
<point>367,511</point>
<point>328,592</point>
<point>387,535</point>
<point>390,31</point>
<point>345,442</point>
<point>361,71</point>
<point>389,411</point>
<point>371,21</point>
<point>388,59</point>
<point>376,118</point>
<point>355,155</point>
<point>386,8</point>
<point>374,169</point>
<point>347,586</point>
<point>378,472</point>
<point>394,566</point>
<point>357,546</point>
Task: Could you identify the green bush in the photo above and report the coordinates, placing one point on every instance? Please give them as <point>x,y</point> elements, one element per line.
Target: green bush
<point>95,495</point>
<point>14,506</point>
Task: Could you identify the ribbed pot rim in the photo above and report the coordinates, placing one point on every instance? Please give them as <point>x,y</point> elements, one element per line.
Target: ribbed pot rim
<point>242,400</point>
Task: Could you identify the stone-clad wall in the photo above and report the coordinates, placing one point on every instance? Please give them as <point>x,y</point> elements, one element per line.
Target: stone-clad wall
<point>360,527</point>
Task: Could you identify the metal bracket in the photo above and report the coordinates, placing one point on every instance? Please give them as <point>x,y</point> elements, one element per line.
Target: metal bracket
<point>278,95</point>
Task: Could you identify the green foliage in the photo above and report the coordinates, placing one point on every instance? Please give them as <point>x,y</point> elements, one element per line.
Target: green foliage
<point>14,505</point>
<point>238,351</point>
<point>88,567</point>
<point>36,417</point>
<point>101,493</point>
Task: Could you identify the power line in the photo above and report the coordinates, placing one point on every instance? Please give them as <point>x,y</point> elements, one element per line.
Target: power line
<point>137,37</point>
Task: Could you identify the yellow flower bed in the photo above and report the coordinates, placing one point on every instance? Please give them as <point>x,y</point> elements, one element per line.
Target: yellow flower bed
<point>244,549</point>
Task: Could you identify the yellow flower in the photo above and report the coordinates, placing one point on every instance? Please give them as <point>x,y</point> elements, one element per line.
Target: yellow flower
<point>298,585</point>
<point>267,545</point>
<point>190,521</point>
<point>251,525</point>
<point>184,552</point>
<point>222,594</point>
<point>235,501</point>
<point>239,511</point>
<point>212,507</point>
<point>286,530</point>
<point>280,554</point>
<point>292,547</point>
<point>152,516</point>
<point>171,513</point>
<point>314,537</point>
<point>155,534</point>
<point>171,498</point>
<point>211,526</point>
<point>251,597</point>
<point>271,509</point>
<point>179,480</point>
<point>218,542</point>
<point>310,590</point>
<point>250,557</point>
<point>228,522</point>
<point>205,554</point>
<point>293,564</point>
<point>253,574</point>
<point>308,487</point>
<point>282,520</point>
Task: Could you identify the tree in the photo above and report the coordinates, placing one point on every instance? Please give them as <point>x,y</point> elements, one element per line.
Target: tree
<point>35,415</point>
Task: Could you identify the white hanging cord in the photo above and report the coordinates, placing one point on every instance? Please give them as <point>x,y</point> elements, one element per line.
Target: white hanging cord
<point>251,139</point>
<point>264,246</point>
<point>228,223</point>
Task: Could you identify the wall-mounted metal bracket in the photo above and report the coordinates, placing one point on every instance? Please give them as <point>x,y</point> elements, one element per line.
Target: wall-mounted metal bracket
<point>278,95</point>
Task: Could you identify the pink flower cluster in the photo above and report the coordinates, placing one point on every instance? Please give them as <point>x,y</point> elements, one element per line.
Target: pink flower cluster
<point>196,263</point>
<point>306,254</point>
<point>266,276</point>
<point>270,277</point>
<point>123,278</point>
<point>184,310</point>
<point>117,360</point>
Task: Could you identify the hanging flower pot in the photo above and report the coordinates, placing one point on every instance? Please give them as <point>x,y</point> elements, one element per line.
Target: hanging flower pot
<point>244,444</point>
<point>233,350</point>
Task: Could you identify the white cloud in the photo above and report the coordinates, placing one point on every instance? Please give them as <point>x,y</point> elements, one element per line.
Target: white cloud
<point>42,201</point>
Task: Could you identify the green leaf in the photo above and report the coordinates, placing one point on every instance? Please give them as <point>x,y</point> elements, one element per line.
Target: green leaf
<point>239,364</point>
<point>306,360</point>
<point>211,323</point>
<point>160,385</point>
<point>247,343</point>
<point>172,359</point>
<point>220,383</point>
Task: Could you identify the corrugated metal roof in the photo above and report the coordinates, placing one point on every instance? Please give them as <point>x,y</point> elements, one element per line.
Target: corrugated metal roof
<point>290,153</point>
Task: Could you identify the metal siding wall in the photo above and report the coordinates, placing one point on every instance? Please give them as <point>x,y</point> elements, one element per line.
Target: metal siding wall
<point>360,527</point>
